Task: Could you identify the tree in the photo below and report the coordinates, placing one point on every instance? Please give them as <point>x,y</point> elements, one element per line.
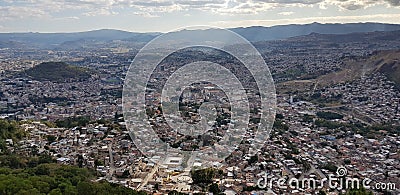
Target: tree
<point>347,161</point>
<point>174,192</point>
<point>51,138</point>
<point>55,179</point>
<point>42,170</point>
<point>203,176</point>
<point>55,192</point>
<point>71,122</point>
<point>329,115</point>
<point>84,188</point>
<point>45,158</point>
<point>361,191</point>
<point>321,192</point>
<point>253,159</point>
<point>214,188</point>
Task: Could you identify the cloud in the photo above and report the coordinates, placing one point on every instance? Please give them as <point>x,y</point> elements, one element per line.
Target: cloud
<point>67,18</point>
<point>286,13</point>
<point>145,14</point>
<point>291,1</point>
<point>17,9</point>
<point>393,2</point>
<point>384,18</point>
<point>11,12</point>
<point>256,6</point>
<point>360,4</point>
<point>100,12</point>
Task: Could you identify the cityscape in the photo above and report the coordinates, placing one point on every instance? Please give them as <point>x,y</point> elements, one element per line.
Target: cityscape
<point>73,118</point>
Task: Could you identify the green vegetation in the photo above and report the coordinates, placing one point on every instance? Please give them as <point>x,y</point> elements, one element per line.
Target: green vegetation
<point>330,167</point>
<point>328,124</point>
<point>73,122</point>
<point>111,92</point>
<point>361,191</point>
<point>279,116</point>
<point>318,99</point>
<point>14,161</point>
<point>347,161</point>
<point>9,130</point>
<point>174,192</point>
<point>214,188</point>
<point>253,159</point>
<point>55,179</point>
<point>38,174</point>
<point>42,99</point>
<point>367,131</point>
<point>251,188</point>
<point>203,176</point>
<point>386,127</point>
<point>280,125</point>
<point>329,115</point>
<point>307,118</point>
<point>58,72</point>
<point>321,192</point>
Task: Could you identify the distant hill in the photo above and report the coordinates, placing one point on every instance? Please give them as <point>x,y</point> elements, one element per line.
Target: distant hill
<point>259,33</point>
<point>57,72</point>
<point>350,37</point>
<point>253,34</point>
<point>50,40</point>
<point>385,62</point>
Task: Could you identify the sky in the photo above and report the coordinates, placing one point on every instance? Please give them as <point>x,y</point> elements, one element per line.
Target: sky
<point>168,15</point>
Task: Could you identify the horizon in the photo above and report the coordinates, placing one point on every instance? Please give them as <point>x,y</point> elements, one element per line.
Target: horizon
<point>184,28</point>
<point>164,16</point>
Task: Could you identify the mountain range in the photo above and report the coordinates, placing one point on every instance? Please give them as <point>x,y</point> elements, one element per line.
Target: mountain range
<point>253,34</point>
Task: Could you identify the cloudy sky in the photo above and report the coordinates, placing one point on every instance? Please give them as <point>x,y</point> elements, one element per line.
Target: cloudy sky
<point>167,15</point>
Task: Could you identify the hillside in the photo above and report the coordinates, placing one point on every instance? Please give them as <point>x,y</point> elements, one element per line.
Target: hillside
<point>57,72</point>
<point>9,130</point>
<point>350,37</point>
<point>253,34</point>
<point>23,175</point>
<point>385,62</point>
<point>259,33</point>
<point>52,40</point>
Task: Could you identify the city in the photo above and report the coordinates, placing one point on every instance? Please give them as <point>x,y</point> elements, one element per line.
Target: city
<point>262,99</point>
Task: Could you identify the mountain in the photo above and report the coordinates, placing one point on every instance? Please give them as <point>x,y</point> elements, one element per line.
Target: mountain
<point>54,39</point>
<point>350,37</point>
<point>57,72</point>
<point>386,62</point>
<point>253,34</point>
<point>259,33</point>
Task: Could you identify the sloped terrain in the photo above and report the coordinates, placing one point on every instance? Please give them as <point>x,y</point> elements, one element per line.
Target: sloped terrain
<point>57,72</point>
<point>385,62</point>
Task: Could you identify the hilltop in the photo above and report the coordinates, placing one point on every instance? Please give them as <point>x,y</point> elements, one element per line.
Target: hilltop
<point>253,34</point>
<point>58,72</point>
<point>279,32</point>
<point>386,62</point>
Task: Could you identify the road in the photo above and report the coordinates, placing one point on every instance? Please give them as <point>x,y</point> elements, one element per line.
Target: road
<point>190,163</point>
<point>149,176</point>
<point>112,168</point>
